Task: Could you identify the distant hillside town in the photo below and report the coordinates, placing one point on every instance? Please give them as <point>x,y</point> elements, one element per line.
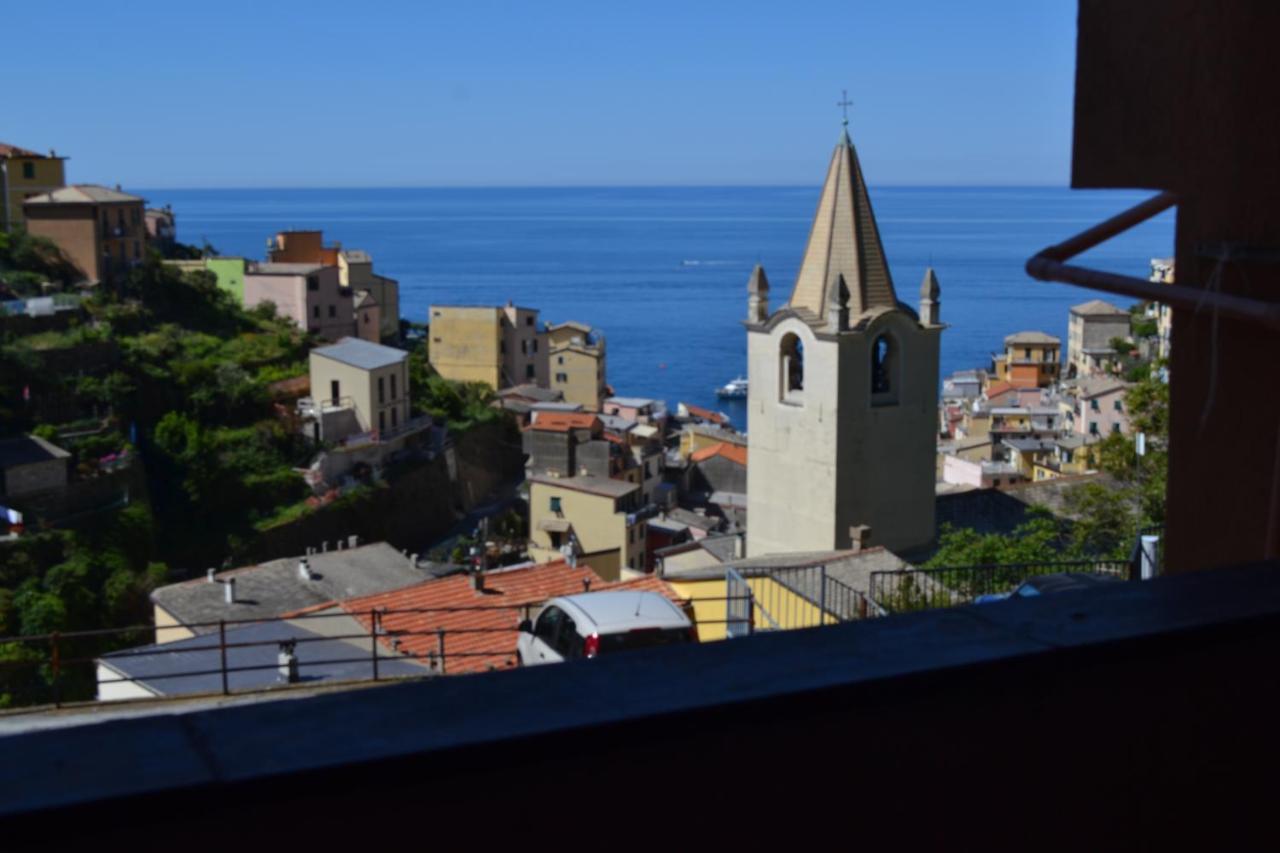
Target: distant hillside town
<point>267,451</point>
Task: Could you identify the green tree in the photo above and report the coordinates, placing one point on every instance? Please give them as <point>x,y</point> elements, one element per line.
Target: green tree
<point>1039,538</point>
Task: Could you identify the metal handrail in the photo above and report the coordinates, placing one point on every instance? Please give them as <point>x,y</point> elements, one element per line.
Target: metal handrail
<point>1049,265</point>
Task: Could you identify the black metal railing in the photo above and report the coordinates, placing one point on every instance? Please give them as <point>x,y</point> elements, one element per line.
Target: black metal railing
<point>924,589</point>
<point>76,667</point>
<point>805,596</point>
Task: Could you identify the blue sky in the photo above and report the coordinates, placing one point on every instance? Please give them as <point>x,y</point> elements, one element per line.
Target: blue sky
<point>275,94</point>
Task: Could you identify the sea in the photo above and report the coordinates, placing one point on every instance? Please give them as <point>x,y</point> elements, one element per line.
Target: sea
<point>662,272</point>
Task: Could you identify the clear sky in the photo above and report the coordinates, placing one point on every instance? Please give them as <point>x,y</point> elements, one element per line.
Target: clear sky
<point>471,92</point>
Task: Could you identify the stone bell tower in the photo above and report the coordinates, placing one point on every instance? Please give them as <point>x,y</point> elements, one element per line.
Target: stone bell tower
<point>843,400</point>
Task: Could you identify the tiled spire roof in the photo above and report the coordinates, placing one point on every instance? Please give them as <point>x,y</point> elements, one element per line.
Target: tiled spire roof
<point>844,241</point>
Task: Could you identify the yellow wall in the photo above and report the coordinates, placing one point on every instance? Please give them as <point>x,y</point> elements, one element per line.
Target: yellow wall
<point>49,174</point>
<point>169,629</point>
<point>358,388</point>
<point>708,595</point>
<point>466,344</point>
<point>578,373</point>
<point>599,527</point>
<point>692,441</point>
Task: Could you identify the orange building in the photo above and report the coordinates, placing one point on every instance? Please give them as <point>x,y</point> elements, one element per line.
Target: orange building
<point>301,247</point>
<point>1029,360</point>
<point>101,231</point>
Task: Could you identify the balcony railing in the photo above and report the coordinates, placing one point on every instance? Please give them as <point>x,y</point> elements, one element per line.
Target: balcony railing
<point>926,589</point>
<point>63,667</point>
<point>310,407</point>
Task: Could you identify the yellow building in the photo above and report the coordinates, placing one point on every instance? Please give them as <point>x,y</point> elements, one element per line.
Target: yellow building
<point>593,517</point>
<point>787,591</point>
<point>577,364</point>
<point>358,386</point>
<point>707,591</point>
<point>500,346</point>
<point>24,174</point>
<point>1069,456</point>
<point>695,437</point>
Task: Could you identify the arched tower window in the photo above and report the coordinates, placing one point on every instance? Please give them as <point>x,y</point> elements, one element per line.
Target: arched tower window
<point>792,366</point>
<point>884,370</point>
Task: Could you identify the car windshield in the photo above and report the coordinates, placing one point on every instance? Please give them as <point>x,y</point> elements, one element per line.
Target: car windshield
<point>643,638</point>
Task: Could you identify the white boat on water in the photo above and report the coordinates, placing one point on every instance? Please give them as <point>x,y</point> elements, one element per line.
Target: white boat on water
<point>735,390</point>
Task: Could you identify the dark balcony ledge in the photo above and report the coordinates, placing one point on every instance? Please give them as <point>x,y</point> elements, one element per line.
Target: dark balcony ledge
<point>1115,682</point>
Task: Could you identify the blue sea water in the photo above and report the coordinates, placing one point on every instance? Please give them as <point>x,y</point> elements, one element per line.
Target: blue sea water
<point>663,271</point>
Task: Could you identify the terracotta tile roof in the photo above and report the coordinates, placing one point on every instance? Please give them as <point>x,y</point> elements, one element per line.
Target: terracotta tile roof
<point>481,636</point>
<point>480,632</point>
<point>648,583</point>
<point>7,150</point>
<point>704,414</point>
<point>565,421</point>
<point>733,452</point>
<point>995,389</point>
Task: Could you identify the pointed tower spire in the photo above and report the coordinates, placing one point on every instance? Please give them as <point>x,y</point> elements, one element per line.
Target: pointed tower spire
<point>758,296</point>
<point>843,241</point>
<point>930,293</point>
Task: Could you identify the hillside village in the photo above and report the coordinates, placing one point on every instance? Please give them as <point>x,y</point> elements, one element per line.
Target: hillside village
<point>269,451</point>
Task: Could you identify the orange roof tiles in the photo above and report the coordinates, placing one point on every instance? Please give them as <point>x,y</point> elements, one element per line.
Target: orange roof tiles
<point>733,452</point>
<point>7,150</point>
<point>705,414</point>
<point>565,421</point>
<point>995,389</point>
<point>480,627</point>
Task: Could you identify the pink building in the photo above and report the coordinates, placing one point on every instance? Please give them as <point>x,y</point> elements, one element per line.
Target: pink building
<point>638,409</point>
<point>1100,408</point>
<point>309,294</point>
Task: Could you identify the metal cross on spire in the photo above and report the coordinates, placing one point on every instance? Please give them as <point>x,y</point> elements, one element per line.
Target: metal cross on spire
<point>844,103</point>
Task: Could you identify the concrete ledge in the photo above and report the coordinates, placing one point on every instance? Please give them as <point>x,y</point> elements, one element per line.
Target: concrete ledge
<point>1044,691</point>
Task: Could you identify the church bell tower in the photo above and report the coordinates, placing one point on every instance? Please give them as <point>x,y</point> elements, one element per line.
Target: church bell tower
<point>843,395</point>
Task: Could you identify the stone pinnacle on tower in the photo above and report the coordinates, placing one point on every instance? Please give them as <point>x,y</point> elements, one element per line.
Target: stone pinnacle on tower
<point>758,296</point>
<point>930,293</point>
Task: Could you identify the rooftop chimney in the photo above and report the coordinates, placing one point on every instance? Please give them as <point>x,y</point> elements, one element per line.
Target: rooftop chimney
<point>859,537</point>
<point>209,575</point>
<point>229,590</point>
<point>353,541</point>
<point>477,581</point>
<point>287,663</point>
<point>304,569</point>
<point>586,584</point>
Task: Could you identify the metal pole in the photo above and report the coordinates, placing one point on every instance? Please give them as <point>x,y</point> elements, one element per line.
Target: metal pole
<point>373,639</point>
<point>440,647</point>
<point>1147,558</point>
<point>222,651</point>
<point>56,661</point>
<point>1048,265</point>
<point>822,598</point>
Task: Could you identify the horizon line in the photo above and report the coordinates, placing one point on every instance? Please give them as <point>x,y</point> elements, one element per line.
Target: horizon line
<point>316,187</point>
